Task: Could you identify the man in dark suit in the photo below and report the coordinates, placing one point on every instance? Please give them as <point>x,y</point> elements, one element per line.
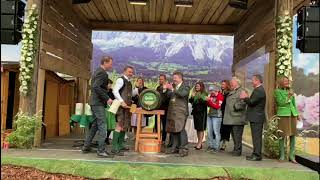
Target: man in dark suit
<point>98,100</point>
<point>164,106</point>
<point>256,115</point>
<point>178,112</point>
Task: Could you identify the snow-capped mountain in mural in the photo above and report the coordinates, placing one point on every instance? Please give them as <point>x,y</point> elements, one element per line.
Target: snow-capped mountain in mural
<point>154,53</point>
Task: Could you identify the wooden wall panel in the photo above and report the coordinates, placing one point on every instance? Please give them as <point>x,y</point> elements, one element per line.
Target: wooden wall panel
<point>64,117</point>
<point>51,111</point>
<point>256,30</point>
<point>4,97</point>
<point>67,37</point>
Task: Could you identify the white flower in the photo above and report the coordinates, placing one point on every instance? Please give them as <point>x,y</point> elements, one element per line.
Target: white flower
<point>35,22</point>
<point>24,83</point>
<point>281,67</point>
<point>30,41</point>
<point>280,71</point>
<point>33,18</point>
<point>286,62</point>
<point>29,59</point>
<point>28,77</point>
<point>27,70</point>
<point>34,6</point>
<point>30,66</point>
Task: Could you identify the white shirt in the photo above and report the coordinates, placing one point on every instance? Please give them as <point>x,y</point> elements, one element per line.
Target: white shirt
<point>178,86</point>
<point>118,86</point>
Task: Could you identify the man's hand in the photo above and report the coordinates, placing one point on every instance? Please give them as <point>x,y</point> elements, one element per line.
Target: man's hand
<point>124,105</point>
<point>193,94</point>
<point>208,99</point>
<point>109,102</point>
<point>243,95</point>
<point>169,86</point>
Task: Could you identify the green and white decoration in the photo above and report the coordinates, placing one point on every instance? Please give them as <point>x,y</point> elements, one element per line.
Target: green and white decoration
<point>29,49</point>
<point>284,46</point>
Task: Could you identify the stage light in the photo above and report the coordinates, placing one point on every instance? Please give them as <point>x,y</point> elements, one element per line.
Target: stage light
<point>138,2</point>
<point>183,3</point>
<point>240,4</point>
<point>80,1</point>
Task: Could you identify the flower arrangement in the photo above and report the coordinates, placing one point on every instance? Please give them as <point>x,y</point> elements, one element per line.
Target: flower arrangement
<point>284,46</point>
<point>29,48</point>
<point>24,130</point>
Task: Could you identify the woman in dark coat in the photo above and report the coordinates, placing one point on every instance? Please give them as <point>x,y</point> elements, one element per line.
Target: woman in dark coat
<point>199,111</point>
<point>225,130</point>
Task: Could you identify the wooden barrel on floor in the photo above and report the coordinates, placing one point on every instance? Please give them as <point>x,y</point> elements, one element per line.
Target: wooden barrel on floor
<point>149,146</point>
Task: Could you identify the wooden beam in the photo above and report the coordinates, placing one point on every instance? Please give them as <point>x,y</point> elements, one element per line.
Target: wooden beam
<point>171,28</point>
<point>39,104</point>
<point>165,11</point>
<point>298,4</point>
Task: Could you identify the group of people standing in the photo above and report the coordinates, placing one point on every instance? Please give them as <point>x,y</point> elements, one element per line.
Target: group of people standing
<point>223,111</point>
<point>230,107</point>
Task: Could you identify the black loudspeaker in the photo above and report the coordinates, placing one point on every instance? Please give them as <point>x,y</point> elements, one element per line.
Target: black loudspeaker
<point>309,45</point>
<point>240,4</point>
<point>308,36</point>
<point>309,29</point>
<point>7,36</point>
<point>80,1</point>
<point>12,14</point>
<point>308,13</point>
<point>8,7</point>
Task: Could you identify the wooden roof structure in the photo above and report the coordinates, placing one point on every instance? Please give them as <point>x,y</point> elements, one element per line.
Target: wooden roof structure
<point>205,16</point>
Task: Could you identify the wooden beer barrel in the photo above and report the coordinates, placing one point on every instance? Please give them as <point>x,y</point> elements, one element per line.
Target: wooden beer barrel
<point>149,146</point>
<point>150,99</point>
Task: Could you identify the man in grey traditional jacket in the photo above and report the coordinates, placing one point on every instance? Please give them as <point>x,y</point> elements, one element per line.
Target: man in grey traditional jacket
<point>178,94</point>
<point>235,115</point>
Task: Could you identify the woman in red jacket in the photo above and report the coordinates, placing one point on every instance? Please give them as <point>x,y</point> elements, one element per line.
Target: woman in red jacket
<point>214,102</point>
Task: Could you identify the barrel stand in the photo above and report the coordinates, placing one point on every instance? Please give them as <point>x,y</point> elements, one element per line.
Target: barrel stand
<point>144,135</point>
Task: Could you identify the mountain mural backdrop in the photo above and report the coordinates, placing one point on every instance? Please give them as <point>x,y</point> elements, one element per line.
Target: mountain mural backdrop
<point>199,57</point>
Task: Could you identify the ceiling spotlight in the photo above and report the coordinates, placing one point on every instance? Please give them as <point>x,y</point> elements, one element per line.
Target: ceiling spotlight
<point>138,2</point>
<point>80,1</point>
<point>183,3</point>
<point>240,4</point>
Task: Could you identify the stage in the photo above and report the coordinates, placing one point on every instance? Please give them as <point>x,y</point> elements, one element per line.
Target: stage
<point>62,149</point>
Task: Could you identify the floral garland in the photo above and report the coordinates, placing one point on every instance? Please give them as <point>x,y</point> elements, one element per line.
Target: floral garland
<point>29,48</point>
<point>284,46</point>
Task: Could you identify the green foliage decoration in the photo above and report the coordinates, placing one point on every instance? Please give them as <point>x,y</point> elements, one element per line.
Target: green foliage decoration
<point>29,49</point>
<point>24,130</point>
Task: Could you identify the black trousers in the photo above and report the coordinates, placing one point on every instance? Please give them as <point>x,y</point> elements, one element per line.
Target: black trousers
<point>237,132</point>
<point>180,140</point>
<point>256,132</point>
<point>225,132</point>
<point>98,127</point>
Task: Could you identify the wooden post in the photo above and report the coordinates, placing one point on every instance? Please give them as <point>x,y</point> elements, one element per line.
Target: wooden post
<point>39,104</point>
<point>28,103</point>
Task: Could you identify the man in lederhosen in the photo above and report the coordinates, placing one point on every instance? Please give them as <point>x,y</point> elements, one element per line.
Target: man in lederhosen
<point>123,92</point>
